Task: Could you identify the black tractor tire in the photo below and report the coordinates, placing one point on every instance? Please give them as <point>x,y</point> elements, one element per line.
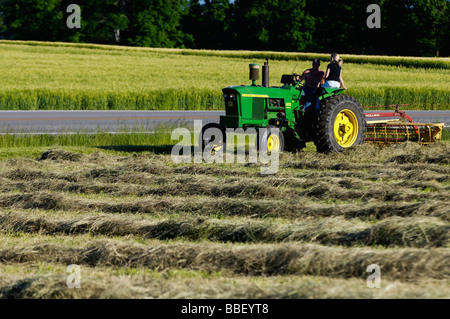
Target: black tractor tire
<point>340,124</point>
<point>275,144</point>
<point>212,132</point>
<point>291,142</point>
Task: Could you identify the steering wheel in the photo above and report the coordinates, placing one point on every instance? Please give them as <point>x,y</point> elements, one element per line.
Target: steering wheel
<point>298,84</point>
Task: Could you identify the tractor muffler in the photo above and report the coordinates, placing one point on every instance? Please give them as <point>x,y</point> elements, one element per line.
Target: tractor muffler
<point>254,74</point>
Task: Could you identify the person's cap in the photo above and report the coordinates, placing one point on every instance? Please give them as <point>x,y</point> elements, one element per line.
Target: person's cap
<point>316,61</point>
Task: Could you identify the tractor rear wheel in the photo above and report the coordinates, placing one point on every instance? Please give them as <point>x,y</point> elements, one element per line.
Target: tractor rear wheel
<point>270,139</point>
<point>340,124</point>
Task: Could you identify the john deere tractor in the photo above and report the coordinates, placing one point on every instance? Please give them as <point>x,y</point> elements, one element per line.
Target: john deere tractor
<point>281,121</point>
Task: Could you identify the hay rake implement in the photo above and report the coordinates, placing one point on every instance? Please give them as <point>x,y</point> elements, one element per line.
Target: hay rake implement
<point>400,129</point>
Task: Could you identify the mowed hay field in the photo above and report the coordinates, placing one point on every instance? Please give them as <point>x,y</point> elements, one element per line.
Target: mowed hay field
<point>40,75</point>
<point>141,226</point>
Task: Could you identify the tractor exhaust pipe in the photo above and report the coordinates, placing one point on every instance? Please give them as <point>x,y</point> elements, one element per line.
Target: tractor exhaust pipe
<point>265,74</point>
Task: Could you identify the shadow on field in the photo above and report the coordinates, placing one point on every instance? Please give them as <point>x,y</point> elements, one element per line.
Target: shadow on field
<point>17,290</point>
<point>157,149</point>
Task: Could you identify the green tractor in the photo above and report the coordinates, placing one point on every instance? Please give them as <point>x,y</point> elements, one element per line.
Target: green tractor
<point>277,114</point>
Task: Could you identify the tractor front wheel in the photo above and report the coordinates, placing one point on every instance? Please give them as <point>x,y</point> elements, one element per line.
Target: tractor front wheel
<point>341,124</point>
<point>213,138</point>
<point>270,139</point>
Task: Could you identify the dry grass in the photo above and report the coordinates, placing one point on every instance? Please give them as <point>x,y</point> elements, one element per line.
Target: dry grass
<point>391,232</point>
<point>166,230</point>
<point>143,283</point>
<point>248,260</point>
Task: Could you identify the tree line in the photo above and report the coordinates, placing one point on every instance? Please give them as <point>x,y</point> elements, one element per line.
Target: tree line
<point>407,27</point>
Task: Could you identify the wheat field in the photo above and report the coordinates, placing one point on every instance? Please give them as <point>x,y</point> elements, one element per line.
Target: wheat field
<point>35,75</point>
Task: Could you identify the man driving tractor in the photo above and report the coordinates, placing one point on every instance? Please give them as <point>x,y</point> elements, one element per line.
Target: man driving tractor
<point>313,78</point>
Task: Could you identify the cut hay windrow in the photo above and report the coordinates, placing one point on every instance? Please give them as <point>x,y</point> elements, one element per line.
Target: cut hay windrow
<point>225,206</point>
<point>140,225</point>
<point>127,182</point>
<point>405,162</point>
<point>248,260</point>
<point>275,188</point>
<point>390,232</point>
<point>182,284</point>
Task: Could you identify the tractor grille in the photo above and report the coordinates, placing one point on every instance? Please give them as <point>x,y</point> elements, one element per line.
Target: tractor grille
<point>231,107</point>
<point>258,106</point>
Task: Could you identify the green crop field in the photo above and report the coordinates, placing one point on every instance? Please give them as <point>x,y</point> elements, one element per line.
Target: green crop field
<point>140,226</point>
<point>39,75</point>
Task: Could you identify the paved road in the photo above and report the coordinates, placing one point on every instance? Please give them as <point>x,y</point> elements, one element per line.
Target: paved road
<point>107,121</point>
<point>113,121</point>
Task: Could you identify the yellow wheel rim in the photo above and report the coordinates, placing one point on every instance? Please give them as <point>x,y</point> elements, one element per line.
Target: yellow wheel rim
<point>273,143</point>
<point>216,147</point>
<point>346,128</point>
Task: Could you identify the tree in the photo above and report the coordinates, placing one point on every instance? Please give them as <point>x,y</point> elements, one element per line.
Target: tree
<point>138,22</point>
<point>408,27</point>
<point>209,23</point>
<point>413,27</point>
<point>155,23</point>
<point>32,20</point>
<point>272,25</point>
<point>341,26</point>
<point>2,25</point>
<point>426,21</point>
<point>445,43</point>
<point>103,21</point>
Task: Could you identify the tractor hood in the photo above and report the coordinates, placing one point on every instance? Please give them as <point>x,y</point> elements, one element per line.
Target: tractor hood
<point>286,91</point>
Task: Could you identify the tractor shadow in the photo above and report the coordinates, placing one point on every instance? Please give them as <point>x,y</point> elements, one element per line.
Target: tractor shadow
<point>157,149</point>
<point>160,149</point>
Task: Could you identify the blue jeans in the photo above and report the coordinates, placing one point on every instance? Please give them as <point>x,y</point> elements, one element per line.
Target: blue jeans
<point>310,96</point>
